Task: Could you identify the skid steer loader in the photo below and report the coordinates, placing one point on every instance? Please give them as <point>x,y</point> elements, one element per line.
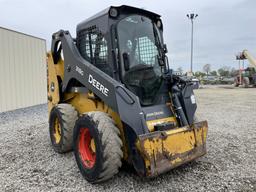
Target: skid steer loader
<point>112,97</point>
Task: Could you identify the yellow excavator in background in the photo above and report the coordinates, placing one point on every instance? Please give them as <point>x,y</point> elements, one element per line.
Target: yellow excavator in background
<point>246,77</point>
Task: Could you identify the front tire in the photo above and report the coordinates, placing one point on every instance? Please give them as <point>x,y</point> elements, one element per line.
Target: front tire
<point>246,82</point>
<point>97,147</point>
<point>236,83</point>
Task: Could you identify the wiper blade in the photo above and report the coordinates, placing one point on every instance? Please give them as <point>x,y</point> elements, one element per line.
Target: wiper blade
<point>161,54</point>
<point>157,40</point>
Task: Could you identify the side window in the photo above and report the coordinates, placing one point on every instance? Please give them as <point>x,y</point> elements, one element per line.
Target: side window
<point>93,47</point>
<point>87,47</point>
<point>83,45</point>
<point>103,50</point>
<point>100,50</point>
<point>93,42</point>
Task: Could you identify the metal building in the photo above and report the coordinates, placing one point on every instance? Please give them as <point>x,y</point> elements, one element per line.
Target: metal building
<point>22,70</point>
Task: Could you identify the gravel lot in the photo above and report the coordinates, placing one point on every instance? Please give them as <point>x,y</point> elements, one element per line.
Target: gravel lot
<point>28,163</point>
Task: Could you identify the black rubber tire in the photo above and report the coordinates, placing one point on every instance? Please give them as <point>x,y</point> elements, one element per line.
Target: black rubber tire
<point>108,145</point>
<point>236,84</point>
<point>67,116</point>
<point>246,82</point>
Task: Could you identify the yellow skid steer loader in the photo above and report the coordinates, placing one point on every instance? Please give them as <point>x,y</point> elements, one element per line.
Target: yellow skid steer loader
<point>113,98</point>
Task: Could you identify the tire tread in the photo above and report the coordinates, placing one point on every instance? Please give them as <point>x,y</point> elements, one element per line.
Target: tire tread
<point>69,116</point>
<point>112,144</point>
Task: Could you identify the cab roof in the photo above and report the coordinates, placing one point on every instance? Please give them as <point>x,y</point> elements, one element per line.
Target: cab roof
<point>123,9</point>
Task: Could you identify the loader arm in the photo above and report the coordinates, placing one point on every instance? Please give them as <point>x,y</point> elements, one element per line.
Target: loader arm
<point>250,58</point>
<point>113,93</point>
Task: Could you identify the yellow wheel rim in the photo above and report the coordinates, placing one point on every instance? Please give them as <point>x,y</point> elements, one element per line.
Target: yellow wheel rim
<point>57,131</point>
<point>92,146</point>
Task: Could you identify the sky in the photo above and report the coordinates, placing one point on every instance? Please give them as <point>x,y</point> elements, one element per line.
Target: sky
<point>222,29</point>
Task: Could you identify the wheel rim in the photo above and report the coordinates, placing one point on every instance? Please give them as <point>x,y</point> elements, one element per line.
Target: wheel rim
<point>86,148</point>
<point>57,131</point>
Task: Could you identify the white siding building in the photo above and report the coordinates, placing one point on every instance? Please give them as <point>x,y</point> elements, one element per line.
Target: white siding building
<point>22,70</point>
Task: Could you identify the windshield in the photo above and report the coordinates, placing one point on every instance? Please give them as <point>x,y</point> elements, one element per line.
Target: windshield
<point>139,44</point>
<point>137,38</point>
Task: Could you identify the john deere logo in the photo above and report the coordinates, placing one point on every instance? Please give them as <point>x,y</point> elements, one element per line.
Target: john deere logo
<point>98,85</point>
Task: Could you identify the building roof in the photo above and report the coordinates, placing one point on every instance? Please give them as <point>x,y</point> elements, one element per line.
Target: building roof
<point>11,30</point>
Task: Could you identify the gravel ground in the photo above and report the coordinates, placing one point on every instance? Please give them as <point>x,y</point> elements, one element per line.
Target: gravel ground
<point>28,163</point>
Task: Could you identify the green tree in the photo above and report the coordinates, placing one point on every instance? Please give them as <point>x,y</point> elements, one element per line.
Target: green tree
<point>199,74</point>
<point>234,72</point>
<point>207,69</point>
<point>214,73</point>
<point>224,71</point>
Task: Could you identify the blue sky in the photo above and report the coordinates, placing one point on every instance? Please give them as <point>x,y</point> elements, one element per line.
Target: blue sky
<point>222,28</point>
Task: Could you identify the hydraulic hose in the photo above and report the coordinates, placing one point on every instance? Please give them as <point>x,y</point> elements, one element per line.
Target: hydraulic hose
<point>179,110</point>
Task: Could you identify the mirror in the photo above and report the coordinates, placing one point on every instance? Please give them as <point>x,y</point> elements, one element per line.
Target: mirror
<point>126,61</point>
<point>160,61</point>
<point>165,48</point>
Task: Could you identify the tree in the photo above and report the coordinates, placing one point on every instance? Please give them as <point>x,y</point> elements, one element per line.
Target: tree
<point>214,73</point>
<point>199,74</point>
<point>224,71</point>
<point>207,69</point>
<point>234,72</point>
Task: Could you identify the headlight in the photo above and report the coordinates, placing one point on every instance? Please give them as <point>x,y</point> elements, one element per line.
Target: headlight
<point>159,24</point>
<point>113,12</point>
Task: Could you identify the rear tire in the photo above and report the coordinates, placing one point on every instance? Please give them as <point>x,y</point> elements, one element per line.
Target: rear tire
<point>61,124</point>
<point>101,161</point>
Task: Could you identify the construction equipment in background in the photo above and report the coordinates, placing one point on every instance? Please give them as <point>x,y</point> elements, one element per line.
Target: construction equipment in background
<point>113,98</point>
<point>247,76</point>
<point>190,76</point>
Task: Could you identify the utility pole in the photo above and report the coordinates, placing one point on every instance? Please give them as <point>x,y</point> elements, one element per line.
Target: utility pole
<point>239,58</point>
<point>192,17</point>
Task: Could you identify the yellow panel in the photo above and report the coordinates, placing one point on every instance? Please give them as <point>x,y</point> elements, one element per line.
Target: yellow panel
<point>164,150</point>
<point>179,143</point>
<point>53,97</point>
